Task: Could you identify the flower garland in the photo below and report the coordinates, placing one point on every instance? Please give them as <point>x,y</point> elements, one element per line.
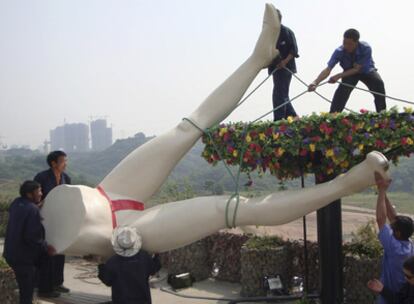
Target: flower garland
<point>325,144</point>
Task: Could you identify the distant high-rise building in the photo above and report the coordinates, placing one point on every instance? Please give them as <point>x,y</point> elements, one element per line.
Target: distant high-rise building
<point>70,138</point>
<point>101,135</point>
<point>57,138</point>
<point>76,137</point>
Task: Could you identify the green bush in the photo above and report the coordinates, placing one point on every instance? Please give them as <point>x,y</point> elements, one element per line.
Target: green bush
<point>3,263</point>
<point>4,206</point>
<point>364,242</point>
<point>264,242</point>
<point>305,301</point>
<point>3,229</point>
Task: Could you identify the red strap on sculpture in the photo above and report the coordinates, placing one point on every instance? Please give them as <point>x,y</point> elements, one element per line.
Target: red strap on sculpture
<point>123,204</point>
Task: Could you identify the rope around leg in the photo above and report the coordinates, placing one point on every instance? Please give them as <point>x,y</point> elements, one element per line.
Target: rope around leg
<point>233,224</point>
<point>235,180</point>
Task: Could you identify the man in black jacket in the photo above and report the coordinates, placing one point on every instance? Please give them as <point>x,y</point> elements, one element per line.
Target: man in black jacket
<point>406,293</point>
<point>129,270</point>
<point>25,239</point>
<point>51,274</point>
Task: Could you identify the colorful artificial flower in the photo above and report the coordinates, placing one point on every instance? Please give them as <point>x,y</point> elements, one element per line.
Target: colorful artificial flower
<point>312,147</point>
<point>222,132</point>
<point>280,147</point>
<point>262,136</point>
<point>329,153</point>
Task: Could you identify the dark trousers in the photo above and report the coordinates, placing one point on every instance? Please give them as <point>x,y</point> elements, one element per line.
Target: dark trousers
<point>58,269</point>
<point>281,83</point>
<point>45,275</point>
<point>372,80</point>
<point>25,277</point>
<point>51,273</point>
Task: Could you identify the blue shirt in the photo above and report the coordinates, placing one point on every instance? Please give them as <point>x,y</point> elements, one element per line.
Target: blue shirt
<point>25,236</point>
<point>361,56</point>
<point>47,181</point>
<point>395,253</point>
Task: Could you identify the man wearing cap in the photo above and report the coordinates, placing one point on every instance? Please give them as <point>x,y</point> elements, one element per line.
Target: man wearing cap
<point>128,271</point>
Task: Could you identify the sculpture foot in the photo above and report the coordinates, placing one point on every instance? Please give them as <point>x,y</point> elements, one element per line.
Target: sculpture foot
<point>265,50</point>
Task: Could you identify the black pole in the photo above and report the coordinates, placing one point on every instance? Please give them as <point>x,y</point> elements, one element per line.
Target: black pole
<point>329,226</point>
<point>305,247</point>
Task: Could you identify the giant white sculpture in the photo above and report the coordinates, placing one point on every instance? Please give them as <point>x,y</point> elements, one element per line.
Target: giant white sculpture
<point>79,220</point>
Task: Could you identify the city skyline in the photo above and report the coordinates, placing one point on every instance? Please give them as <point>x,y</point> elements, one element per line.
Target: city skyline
<point>80,137</point>
<point>95,135</point>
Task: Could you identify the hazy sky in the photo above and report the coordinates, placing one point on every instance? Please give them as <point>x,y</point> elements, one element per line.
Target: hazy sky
<point>146,64</point>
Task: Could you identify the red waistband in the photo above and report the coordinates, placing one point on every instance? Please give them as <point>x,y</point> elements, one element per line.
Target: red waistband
<point>123,204</point>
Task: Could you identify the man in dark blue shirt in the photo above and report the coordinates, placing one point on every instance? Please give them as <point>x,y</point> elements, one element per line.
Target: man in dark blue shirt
<point>355,57</point>
<point>25,243</point>
<point>52,270</point>
<point>55,175</point>
<point>288,51</point>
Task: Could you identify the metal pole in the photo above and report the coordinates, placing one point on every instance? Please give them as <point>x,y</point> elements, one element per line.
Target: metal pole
<point>305,246</point>
<point>329,221</point>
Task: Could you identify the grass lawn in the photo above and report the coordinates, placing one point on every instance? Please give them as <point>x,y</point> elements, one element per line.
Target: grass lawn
<point>404,202</point>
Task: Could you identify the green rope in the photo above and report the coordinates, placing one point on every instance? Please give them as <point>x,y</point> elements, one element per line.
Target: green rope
<point>208,133</point>
<point>233,225</point>
<point>236,181</point>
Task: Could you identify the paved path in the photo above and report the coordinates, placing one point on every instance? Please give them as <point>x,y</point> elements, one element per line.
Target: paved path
<point>80,277</point>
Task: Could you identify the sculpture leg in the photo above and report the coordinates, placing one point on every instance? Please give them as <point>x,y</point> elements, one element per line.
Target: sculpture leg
<point>142,172</point>
<point>88,229</point>
<point>173,225</point>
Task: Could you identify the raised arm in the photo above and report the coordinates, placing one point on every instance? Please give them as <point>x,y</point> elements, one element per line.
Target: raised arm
<point>391,213</point>
<point>381,211</point>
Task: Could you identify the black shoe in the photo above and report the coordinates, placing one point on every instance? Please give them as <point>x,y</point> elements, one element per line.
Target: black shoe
<point>62,289</point>
<point>50,294</point>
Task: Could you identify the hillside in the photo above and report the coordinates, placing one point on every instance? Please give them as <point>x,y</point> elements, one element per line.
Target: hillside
<point>193,175</point>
